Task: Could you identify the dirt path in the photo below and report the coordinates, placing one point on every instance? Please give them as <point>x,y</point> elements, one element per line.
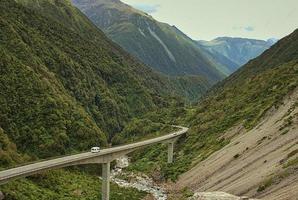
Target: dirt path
<point>251,158</point>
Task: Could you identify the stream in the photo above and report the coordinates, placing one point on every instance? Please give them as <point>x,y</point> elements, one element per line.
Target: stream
<point>139,182</point>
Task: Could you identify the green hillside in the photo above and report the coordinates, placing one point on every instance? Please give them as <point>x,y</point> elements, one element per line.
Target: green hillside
<point>65,77</point>
<point>159,45</point>
<point>242,98</point>
<point>64,88</point>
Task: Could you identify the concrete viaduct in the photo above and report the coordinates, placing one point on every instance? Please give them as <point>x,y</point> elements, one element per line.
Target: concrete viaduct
<point>104,157</point>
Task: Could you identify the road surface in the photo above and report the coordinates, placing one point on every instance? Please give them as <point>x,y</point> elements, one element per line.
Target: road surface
<point>37,167</point>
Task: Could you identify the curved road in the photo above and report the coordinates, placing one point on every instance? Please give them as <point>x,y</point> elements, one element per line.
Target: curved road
<point>105,155</point>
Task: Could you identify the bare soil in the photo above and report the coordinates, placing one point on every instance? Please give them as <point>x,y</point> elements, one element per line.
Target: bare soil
<point>253,158</point>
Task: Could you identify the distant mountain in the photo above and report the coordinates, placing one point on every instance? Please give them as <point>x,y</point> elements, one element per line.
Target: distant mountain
<point>235,52</point>
<point>159,45</point>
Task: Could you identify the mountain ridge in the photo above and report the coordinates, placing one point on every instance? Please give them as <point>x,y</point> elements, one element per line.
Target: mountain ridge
<point>164,49</point>
<point>235,51</point>
<point>235,116</point>
<point>102,86</point>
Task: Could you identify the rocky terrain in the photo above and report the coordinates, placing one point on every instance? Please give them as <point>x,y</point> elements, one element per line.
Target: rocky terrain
<point>257,163</point>
<point>216,196</point>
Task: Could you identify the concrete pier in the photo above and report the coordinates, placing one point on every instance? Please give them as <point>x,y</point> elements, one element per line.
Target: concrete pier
<point>106,181</point>
<point>104,157</point>
<point>170,152</point>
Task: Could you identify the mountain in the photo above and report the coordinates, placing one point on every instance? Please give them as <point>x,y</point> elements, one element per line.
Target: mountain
<point>243,133</point>
<point>66,87</point>
<point>159,45</point>
<point>63,81</point>
<point>235,52</point>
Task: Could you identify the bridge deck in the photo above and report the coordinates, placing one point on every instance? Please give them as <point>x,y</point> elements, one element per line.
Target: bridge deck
<point>30,169</point>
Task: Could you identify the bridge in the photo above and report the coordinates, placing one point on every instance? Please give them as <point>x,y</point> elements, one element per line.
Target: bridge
<point>104,157</point>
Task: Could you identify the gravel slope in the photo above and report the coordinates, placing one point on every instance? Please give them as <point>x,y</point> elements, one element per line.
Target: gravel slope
<point>252,158</point>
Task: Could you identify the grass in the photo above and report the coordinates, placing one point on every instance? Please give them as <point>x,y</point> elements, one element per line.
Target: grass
<point>186,193</point>
<point>265,185</point>
<point>64,185</point>
<point>241,100</point>
<point>277,178</point>
<point>291,163</point>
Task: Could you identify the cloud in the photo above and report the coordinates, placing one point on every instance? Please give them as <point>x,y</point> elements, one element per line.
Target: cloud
<point>148,8</point>
<point>244,28</point>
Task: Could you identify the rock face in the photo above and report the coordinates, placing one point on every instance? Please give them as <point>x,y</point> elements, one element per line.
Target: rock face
<point>216,196</point>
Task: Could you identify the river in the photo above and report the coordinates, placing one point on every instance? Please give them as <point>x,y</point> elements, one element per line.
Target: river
<point>139,182</point>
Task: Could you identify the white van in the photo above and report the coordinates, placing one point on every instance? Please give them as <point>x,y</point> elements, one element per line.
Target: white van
<point>95,149</point>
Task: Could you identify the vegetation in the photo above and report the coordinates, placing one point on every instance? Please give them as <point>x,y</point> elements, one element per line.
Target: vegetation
<point>292,162</point>
<point>265,185</point>
<point>190,87</point>
<point>64,185</point>
<point>159,45</point>
<point>275,179</point>
<point>64,88</point>
<point>186,193</point>
<point>241,99</point>
<point>141,129</point>
<point>235,52</point>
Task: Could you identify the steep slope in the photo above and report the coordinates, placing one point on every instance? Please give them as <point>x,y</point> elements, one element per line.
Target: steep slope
<point>235,52</point>
<point>251,95</point>
<point>158,45</point>
<point>254,111</point>
<point>64,85</point>
<point>261,162</point>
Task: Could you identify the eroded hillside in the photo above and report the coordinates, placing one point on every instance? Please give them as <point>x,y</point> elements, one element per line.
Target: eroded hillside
<point>242,100</point>
<point>260,163</point>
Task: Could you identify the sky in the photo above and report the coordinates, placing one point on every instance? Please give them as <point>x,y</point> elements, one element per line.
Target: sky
<point>208,19</point>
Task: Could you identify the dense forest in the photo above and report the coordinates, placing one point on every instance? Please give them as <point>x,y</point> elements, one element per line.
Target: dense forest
<point>64,83</point>
<point>64,87</point>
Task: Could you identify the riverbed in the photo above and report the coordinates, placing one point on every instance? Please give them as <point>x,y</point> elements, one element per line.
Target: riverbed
<point>139,182</point>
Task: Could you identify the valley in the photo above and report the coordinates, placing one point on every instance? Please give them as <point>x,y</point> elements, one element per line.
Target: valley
<point>76,74</point>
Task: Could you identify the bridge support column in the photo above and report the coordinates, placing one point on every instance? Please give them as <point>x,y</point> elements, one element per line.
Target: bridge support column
<point>170,152</point>
<point>106,181</point>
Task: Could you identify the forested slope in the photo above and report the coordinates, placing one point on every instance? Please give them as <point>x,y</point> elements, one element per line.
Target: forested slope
<point>161,46</point>
<point>65,87</point>
<point>240,100</point>
<point>64,81</point>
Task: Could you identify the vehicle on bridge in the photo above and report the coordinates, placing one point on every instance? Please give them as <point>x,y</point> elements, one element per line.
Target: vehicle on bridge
<point>95,149</point>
